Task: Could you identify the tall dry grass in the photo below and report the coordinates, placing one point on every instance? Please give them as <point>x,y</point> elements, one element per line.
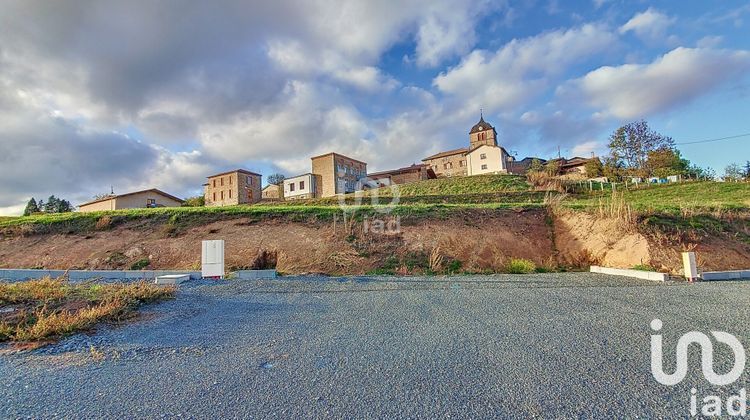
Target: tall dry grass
<point>617,208</point>
<point>45,309</point>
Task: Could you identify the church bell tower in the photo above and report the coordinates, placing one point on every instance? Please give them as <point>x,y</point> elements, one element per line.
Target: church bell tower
<point>482,133</point>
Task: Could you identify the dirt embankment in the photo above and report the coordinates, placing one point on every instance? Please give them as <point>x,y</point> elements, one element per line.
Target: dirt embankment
<point>479,240</point>
<point>585,239</point>
<point>471,240</point>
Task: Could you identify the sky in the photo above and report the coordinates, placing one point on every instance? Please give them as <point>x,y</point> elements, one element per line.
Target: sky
<point>160,94</point>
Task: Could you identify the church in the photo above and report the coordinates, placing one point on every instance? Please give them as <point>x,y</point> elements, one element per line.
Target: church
<point>483,156</point>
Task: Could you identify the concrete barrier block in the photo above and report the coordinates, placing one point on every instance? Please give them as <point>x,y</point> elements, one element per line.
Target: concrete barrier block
<point>638,274</point>
<point>726,275</point>
<point>255,274</point>
<point>172,279</point>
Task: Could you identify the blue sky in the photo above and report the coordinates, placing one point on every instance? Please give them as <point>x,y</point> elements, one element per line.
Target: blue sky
<point>100,93</point>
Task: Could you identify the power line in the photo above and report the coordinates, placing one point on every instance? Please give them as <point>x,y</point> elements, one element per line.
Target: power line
<point>712,140</point>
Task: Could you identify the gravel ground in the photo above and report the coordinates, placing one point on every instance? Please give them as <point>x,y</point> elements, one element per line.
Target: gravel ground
<point>547,345</point>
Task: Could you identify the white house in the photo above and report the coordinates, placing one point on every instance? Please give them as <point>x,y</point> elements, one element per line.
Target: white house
<point>301,187</point>
<point>487,159</point>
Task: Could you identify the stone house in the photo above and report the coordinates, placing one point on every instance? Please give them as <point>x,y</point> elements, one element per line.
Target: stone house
<point>404,175</point>
<point>447,164</point>
<point>233,188</point>
<point>302,187</point>
<point>338,174</point>
<point>272,192</point>
<point>135,200</point>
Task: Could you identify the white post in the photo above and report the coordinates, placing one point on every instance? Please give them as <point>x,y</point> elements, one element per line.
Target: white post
<point>212,258</point>
<point>688,262</point>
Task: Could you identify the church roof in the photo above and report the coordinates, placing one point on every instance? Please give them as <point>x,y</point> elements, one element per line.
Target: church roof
<point>482,125</point>
<point>461,151</point>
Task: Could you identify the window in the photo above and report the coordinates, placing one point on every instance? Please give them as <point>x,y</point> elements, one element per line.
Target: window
<point>483,156</point>
<point>291,186</point>
<point>214,183</point>
<point>302,185</point>
<point>222,181</point>
<point>214,192</point>
<point>484,167</point>
<point>230,191</point>
<point>150,202</point>
<point>461,163</point>
<point>230,179</point>
<point>249,180</point>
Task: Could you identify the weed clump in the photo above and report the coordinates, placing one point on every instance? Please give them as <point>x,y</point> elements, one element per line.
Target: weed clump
<point>520,266</point>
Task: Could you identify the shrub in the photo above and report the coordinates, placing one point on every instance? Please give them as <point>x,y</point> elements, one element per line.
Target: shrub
<point>140,264</point>
<point>520,266</point>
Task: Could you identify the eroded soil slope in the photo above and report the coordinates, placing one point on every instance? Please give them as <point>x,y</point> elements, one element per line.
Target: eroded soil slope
<point>477,240</point>
<point>482,240</point>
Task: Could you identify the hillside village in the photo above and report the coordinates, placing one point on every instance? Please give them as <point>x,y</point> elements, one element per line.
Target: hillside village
<point>333,173</point>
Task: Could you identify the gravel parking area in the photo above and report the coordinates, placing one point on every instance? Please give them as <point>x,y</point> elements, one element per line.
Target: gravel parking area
<point>546,345</point>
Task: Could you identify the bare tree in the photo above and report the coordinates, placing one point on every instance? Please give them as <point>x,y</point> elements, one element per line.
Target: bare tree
<point>630,144</point>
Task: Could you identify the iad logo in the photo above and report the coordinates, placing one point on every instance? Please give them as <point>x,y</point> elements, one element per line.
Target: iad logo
<point>371,189</point>
<point>707,356</point>
<point>710,405</point>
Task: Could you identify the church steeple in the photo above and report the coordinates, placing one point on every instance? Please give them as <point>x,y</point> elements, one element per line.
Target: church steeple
<point>482,133</point>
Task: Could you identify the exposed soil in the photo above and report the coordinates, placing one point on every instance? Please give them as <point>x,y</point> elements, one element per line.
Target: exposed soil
<point>478,240</point>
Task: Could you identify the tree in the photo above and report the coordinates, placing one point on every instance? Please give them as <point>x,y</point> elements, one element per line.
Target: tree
<point>63,206</point>
<point>594,168</point>
<point>31,207</point>
<point>665,162</point>
<point>276,179</point>
<point>197,201</point>
<point>733,172</point>
<point>536,166</point>
<point>552,168</point>
<point>630,144</point>
<point>51,205</point>
<point>612,169</point>
<point>747,169</point>
<point>697,172</point>
<point>55,205</point>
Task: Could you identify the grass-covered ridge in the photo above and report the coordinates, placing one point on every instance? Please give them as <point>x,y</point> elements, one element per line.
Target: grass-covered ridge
<point>45,309</point>
<point>421,199</point>
<point>678,197</point>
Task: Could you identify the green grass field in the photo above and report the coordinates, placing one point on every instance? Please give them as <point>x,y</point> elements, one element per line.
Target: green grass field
<point>671,198</point>
<point>425,198</point>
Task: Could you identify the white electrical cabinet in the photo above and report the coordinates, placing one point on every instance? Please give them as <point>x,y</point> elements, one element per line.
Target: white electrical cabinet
<point>212,258</point>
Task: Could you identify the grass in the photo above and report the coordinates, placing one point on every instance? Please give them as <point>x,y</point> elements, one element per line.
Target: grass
<point>46,309</point>
<point>678,197</point>
<point>430,198</point>
<point>480,184</point>
<point>520,266</point>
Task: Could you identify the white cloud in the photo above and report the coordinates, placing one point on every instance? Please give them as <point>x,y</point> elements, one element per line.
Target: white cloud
<point>587,147</point>
<point>650,25</point>
<point>636,90</point>
<point>709,41</point>
<point>520,69</point>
